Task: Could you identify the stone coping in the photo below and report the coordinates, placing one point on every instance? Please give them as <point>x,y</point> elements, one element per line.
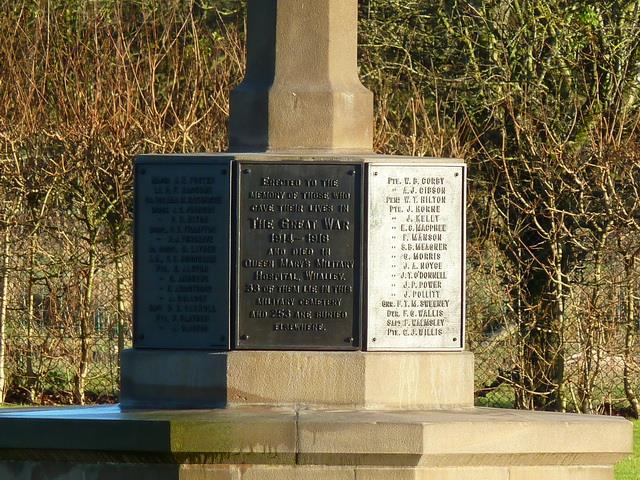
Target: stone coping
<point>318,156</point>
<point>289,436</point>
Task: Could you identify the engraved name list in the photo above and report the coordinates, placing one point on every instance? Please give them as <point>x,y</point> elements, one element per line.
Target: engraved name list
<point>182,256</point>
<point>416,265</point>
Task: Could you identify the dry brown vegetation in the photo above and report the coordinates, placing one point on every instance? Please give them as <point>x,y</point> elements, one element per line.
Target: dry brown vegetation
<point>540,97</point>
<point>84,87</point>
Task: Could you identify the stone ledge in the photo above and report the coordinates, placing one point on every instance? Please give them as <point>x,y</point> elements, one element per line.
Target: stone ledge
<point>316,156</point>
<point>371,380</point>
<point>279,436</point>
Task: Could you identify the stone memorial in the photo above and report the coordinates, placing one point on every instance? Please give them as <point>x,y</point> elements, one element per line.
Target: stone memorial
<point>299,305</point>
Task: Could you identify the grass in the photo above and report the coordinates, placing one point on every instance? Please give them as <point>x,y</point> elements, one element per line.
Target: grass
<point>630,468</point>
<point>14,405</point>
<point>502,397</point>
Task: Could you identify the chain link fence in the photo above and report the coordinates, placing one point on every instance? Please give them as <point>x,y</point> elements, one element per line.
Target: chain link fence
<point>601,390</point>
<point>44,346</point>
<point>43,368</point>
<point>69,316</point>
<point>63,340</point>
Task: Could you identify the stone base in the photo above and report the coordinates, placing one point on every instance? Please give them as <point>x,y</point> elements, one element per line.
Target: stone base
<point>248,443</point>
<point>389,380</point>
<point>65,471</point>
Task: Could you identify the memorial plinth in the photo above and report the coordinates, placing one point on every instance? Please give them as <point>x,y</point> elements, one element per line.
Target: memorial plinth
<point>381,380</point>
<point>299,305</point>
<point>275,443</point>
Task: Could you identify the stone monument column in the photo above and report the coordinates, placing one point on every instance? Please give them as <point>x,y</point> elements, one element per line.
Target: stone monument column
<point>301,91</point>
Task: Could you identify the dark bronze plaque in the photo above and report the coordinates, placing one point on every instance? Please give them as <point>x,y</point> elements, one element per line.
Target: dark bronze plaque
<point>182,246</point>
<point>298,261</point>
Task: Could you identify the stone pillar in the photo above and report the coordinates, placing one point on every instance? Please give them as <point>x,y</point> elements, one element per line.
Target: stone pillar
<point>301,91</point>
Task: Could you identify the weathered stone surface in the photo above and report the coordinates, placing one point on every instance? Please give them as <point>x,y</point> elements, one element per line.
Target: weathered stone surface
<point>452,473</point>
<point>474,437</point>
<point>183,379</point>
<point>301,90</point>
<point>566,473</point>
<point>34,470</point>
<point>209,472</point>
<point>298,473</point>
<point>173,379</point>
<point>434,380</point>
<point>487,473</point>
<point>107,434</point>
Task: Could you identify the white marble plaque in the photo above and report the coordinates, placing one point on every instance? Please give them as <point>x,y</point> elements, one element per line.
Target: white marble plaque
<point>416,257</point>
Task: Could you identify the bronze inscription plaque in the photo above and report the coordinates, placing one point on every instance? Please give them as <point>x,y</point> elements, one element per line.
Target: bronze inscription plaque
<point>182,249</point>
<point>298,260</point>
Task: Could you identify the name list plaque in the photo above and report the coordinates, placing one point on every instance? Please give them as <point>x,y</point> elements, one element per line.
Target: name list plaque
<point>416,257</point>
<point>298,262</point>
<point>182,217</point>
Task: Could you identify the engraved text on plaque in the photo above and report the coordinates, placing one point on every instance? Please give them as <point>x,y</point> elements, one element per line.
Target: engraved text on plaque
<point>416,257</point>
<point>298,264</point>
<point>182,255</point>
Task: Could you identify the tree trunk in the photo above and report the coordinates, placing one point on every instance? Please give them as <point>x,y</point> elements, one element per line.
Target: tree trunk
<point>630,336</point>
<point>589,342</point>
<point>31,375</point>
<point>120,305</point>
<point>557,402</point>
<point>85,327</point>
<point>4,290</point>
<point>540,369</point>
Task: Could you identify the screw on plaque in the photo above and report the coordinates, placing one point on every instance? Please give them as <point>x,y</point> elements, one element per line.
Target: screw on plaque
<point>349,340</point>
<point>456,174</point>
<point>374,339</point>
<point>352,172</point>
<point>246,171</point>
<point>455,339</point>
<point>244,337</point>
<point>375,174</point>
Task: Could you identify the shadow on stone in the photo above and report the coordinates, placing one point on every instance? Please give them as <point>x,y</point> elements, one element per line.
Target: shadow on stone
<point>173,379</point>
<point>249,120</point>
